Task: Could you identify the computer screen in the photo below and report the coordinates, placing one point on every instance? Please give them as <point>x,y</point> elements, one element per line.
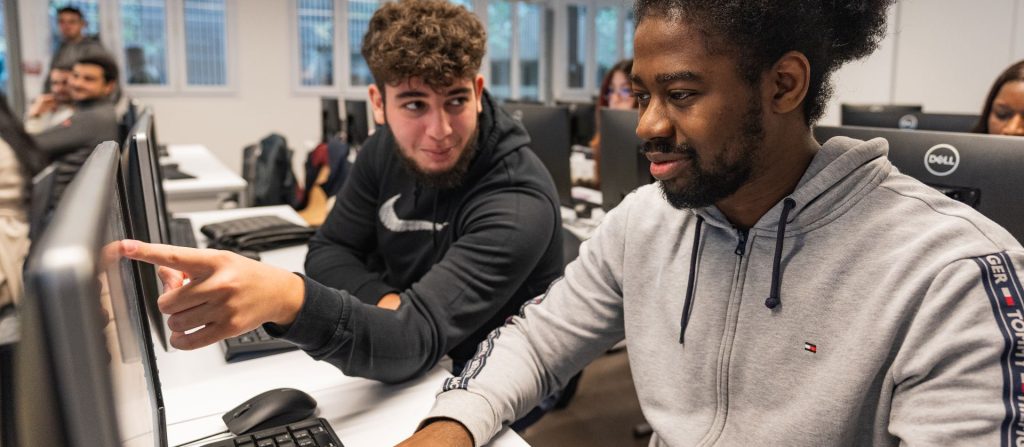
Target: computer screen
<point>980,170</point>
<point>147,217</point>
<point>330,118</point>
<point>623,168</point>
<point>582,121</point>
<point>357,123</point>
<point>549,138</point>
<point>85,372</point>
<point>895,118</point>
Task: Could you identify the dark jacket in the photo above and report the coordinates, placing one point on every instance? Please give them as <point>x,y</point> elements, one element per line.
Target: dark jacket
<point>463,259</point>
<point>70,143</point>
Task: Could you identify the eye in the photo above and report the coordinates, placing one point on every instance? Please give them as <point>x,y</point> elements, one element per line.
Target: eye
<point>680,95</point>
<point>642,98</point>
<point>414,106</point>
<point>458,102</point>
<point>1002,115</point>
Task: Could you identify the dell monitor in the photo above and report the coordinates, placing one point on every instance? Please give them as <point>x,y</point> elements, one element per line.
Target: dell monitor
<point>623,167</point>
<point>549,138</point>
<point>147,217</point>
<point>85,371</point>
<point>980,170</point>
<point>896,118</point>
<point>330,119</point>
<point>357,123</point>
<point>581,121</point>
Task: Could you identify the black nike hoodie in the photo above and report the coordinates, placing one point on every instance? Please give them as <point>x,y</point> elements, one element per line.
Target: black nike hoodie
<point>463,259</point>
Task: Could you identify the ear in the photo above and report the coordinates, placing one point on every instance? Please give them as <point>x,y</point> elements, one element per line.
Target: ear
<point>478,88</point>
<point>377,101</point>
<point>788,81</point>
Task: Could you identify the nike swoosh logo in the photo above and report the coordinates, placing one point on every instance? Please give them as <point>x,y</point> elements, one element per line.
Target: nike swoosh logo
<point>390,219</point>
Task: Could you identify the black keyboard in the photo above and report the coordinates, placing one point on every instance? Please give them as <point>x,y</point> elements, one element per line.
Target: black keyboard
<point>308,433</point>
<point>181,232</point>
<point>253,344</point>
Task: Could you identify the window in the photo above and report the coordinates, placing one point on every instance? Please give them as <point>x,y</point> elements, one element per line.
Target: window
<point>467,3</point>
<point>3,49</point>
<point>628,27</point>
<point>316,42</point>
<point>531,22</point>
<point>205,43</point>
<point>144,36</point>
<point>577,60</point>
<point>90,10</point>
<point>359,14</point>
<point>606,22</point>
<point>499,47</point>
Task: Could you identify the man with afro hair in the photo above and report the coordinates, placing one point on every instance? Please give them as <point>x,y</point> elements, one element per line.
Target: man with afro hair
<point>771,290</point>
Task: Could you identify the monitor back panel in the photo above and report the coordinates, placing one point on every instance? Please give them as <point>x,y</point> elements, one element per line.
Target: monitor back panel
<point>984,167</point>
<point>550,140</point>
<point>622,168</point>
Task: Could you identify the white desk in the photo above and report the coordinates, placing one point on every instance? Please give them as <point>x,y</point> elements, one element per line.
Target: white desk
<point>199,386</point>
<point>213,183</point>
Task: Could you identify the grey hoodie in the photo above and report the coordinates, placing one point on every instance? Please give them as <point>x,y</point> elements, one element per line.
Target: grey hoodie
<point>900,319</point>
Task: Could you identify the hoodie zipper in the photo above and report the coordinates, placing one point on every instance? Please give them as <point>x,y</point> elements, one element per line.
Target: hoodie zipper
<point>741,244</point>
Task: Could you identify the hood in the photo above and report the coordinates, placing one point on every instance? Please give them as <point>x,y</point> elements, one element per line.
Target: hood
<point>841,167</point>
<point>839,175</point>
<point>500,135</point>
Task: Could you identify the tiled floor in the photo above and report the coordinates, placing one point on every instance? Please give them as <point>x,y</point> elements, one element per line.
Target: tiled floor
<point>603,412</point>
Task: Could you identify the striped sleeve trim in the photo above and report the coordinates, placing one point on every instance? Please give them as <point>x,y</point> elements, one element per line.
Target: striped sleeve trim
<point>1003,287</point>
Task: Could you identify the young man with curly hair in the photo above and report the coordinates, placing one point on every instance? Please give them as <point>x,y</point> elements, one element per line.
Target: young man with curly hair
<point>772,290</point>
<point>447,224</point>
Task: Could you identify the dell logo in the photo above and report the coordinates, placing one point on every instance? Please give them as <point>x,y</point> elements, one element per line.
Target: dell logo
<point>941,159</point>
<point>908,121</point>
<point>518,115</point>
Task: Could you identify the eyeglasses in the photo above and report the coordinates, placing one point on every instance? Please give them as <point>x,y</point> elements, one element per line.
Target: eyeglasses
<point>624,92</point>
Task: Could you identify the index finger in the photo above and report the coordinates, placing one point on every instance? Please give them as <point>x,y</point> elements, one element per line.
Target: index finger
<point>188,260</point>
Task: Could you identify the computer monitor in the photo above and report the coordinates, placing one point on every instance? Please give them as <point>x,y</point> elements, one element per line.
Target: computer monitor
<point>549,138</point>
<point>330,118</point>
<point>980,170</point>
<point>357,123</point>
<point>623,167</point>
<point>582,118</point>
<point>848,110</point>
<point>85,372</point>
<point>896,118</point>
<point>147,215</point>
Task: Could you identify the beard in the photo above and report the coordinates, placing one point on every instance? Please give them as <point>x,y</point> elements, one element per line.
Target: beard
<point>702,187</point>
<point>450,179</point>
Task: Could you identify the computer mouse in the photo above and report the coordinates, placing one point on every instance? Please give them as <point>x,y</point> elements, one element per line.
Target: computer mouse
<point>270,409</point>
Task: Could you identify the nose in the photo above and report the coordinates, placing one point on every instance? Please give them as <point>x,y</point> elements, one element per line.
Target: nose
<point>439,127</point>
<point>653,124</point>
<point>1015,126</point>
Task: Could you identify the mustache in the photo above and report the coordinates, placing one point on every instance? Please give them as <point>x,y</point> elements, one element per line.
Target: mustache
<point>667,147</point>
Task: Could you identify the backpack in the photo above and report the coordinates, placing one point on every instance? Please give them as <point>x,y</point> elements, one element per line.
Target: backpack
<point>267,167</point>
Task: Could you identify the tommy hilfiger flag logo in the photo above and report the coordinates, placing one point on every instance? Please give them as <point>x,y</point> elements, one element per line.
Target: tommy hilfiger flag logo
<point>1007,296</point>
<point>812,348</point>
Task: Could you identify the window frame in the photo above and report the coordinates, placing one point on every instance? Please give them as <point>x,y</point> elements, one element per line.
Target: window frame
<point>295,62</point>
<point>177,66</point>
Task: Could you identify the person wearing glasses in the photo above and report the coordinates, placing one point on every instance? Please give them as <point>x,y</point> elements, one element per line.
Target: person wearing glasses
<point>616,93</point>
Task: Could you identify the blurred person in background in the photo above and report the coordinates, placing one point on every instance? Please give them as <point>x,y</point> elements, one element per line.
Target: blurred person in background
<point>1003,113</point>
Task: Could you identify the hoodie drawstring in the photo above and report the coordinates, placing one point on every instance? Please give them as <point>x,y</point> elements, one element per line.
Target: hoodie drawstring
<point>774,299</point>
<point>690,282</point>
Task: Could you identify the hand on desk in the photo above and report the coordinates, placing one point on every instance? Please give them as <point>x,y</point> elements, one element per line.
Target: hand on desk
<point>442,432</point>
<point>226,294</point>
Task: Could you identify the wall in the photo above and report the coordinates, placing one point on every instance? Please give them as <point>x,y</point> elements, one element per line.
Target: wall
<point>264,101</point>
<point>942,54</point>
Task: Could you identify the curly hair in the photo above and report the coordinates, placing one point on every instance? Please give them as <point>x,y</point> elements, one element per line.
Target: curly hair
<point>757,33</point>
<point>1012,73</point>
<point>435,40</point>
